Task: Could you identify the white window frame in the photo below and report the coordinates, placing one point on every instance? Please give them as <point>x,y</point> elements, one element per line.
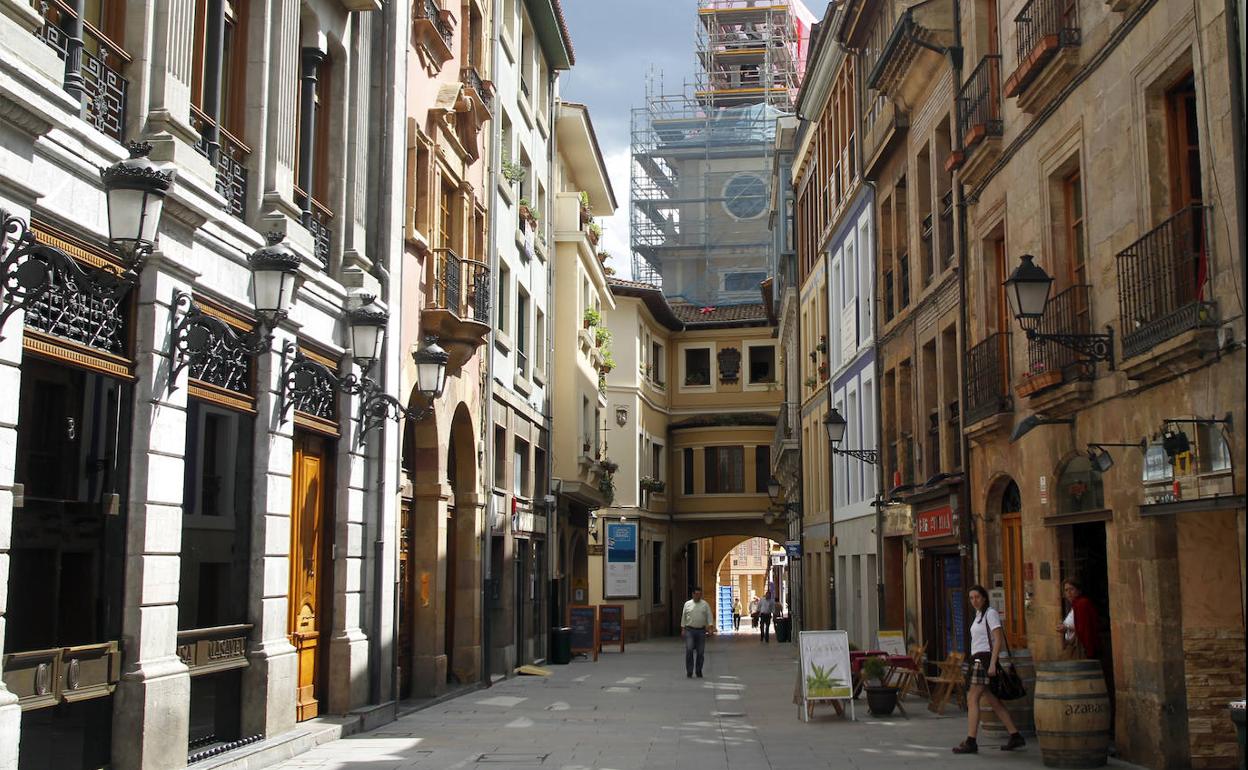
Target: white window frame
<point>775,367</point>
<point>709,387</point>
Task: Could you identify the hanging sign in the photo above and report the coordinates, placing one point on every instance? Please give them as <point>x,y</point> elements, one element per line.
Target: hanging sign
<point>621,574</point>
<point>824,669</point>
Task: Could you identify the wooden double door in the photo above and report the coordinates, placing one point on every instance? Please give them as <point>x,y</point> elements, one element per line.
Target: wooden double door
<point>311,536</point>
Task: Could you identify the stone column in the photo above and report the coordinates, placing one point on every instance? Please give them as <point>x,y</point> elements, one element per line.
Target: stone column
<point>279,112</point>
<point>269,683</point>
<point>348,645</point>
<point>151,715</point>
<point>427,557</point>
<point>359,112</point>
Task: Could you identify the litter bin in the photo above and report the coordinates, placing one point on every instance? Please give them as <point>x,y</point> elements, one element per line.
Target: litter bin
<point>783,628</point>
<point>561,645</point>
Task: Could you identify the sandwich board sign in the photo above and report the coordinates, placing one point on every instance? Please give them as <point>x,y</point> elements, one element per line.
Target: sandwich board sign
<point>824,670</point>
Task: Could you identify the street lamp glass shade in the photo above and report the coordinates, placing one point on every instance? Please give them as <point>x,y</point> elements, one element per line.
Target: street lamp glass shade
<point>431,362</point>
<point>769,518</point>
<point>1101,459</point>
<point>274,276</point>
<point>368,331</point>
<point>773,488</point>
<point>835,424</point>
<point>1027,290</point>
<point>135,190</point>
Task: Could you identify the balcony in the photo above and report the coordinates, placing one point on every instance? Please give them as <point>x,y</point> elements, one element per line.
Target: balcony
<point>480,91</point>
<point>317,219</point>
<point>97,71</point>
<point>1163,293</point>
<point>1058,379</point>
<point>230,162</point>
<point>988,382</point>
<point>788,429</point>
<point>457,307</point>
<point>1048,39</point>
<point>979,121</point>
<point>911,56</point>
<point>434,30</point>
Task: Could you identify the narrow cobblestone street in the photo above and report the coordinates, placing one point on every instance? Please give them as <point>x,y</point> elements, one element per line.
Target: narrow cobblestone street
<point>637,710</point>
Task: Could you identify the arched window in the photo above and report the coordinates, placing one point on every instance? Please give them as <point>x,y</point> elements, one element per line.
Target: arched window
<point>1079,487</point>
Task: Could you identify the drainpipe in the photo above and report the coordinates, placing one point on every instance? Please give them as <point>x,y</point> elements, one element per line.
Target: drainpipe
<point>1235,46</point>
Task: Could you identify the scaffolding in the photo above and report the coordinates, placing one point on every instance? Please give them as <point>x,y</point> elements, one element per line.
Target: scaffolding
<point>702,157</point>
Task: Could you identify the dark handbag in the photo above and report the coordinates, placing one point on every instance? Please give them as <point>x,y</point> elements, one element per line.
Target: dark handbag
<point>1007,684</point>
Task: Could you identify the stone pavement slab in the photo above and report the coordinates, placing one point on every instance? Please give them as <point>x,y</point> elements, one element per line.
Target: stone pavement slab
<point>637,711</point>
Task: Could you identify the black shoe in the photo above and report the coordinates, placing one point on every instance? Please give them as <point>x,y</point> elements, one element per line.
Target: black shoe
<point>1015,742</point>
<point>699,675</point>
<point>968,746</point>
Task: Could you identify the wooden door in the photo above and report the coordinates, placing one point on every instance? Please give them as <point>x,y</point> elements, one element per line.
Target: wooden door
<point>1012,567</point>
<point>407,598</point>
<point>309,569</point>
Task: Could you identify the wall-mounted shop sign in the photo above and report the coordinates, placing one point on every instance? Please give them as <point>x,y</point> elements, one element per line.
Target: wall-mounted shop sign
<point>209,650</point>
<point>938,522</point>
<point>793,548</point>
<point>621,573</point>
<point>523,519</point>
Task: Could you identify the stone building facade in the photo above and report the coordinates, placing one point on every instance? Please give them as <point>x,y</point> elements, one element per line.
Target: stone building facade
<point>185,537</point>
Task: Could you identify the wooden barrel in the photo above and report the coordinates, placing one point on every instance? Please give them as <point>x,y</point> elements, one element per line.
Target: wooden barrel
<point>1072,713</point>
<point>1022,710</point>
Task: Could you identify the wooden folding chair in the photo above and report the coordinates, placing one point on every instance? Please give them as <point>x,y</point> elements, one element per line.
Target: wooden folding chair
<point>949,682</point>
<point>914,679</point>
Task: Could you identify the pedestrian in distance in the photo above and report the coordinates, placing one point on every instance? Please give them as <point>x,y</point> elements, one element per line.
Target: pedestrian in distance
<point>754,612</point>
<point>765,608</point>
<point>696,622</point>
<point>987,639</point>
<point>1080,629</point>
<point>736,614</point>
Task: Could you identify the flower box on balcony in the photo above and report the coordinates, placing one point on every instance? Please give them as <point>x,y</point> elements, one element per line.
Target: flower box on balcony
<point>1035,382</point>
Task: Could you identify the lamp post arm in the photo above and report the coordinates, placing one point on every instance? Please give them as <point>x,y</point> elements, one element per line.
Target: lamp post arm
<point>869,456</point>
<point>1093,347</point>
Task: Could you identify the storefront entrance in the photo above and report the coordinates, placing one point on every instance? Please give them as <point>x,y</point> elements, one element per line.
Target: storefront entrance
<point>66,562</point>
<point>310,577</point>
<point>944,603</point>
<point>1084,558</point>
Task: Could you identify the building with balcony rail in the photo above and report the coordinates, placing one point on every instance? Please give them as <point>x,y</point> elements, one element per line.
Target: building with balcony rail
<point>189,481</point>
<point>1119,102</point>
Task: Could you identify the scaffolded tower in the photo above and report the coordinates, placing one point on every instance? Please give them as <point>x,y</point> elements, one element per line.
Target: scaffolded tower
<point>701,171</point>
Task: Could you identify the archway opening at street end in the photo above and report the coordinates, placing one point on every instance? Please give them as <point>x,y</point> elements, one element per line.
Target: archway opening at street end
<point>736,574</point>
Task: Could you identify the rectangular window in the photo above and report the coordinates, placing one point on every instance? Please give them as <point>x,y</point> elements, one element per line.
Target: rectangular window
<point>539,341</point>
<point>658,371</point>
<point>520,469</point>
<point>725,469</point>
<point>1184,146</point>
<point>540,488</point>
<point>446,216</point>
<point>500,457</point>
<point>686,471</point>
<point>762,468</point>
<point>656,462</point>
<point>698,366</point>
<point>1075,251</point>
<point>762,364</point>
<point>504,297</point>
<point>522,331</point>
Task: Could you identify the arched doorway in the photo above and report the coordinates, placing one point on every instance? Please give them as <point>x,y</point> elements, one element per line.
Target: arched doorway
<point>734,570</point>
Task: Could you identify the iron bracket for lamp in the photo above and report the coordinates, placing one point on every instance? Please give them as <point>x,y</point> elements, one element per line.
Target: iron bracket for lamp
<point>378,407</point>
<point>29,270</point>
<point>1093,347</point>
<point>869,456</point>
<point>208,344</point>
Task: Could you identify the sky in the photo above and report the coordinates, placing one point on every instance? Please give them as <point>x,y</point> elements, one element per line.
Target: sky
<point>617,42</point>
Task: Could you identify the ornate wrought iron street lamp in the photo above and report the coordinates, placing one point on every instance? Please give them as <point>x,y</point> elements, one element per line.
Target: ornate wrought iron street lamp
<point>1027,290</point>
<point>835,425</point>
<point>135,190</point>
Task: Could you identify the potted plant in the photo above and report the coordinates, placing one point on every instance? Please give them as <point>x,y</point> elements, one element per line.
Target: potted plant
<point>513,172</point>
<point>881,699</point>
<point>811,382</point>
<point>608,362</point>
<point>822,346</point>
<point>602,335</point>
<point>609,465</point>
<point>585,447</point>
<point>606,485</point>
<point>592,318</point>
<point>608,271</point>
<point>594,231</point>
<point>526,209</point>
<point>823,371</point>
<point>697,378</point>
<point>586,216</point>
<point>651,484</point>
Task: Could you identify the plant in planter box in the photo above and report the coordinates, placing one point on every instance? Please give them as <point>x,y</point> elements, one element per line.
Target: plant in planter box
<point>823,371</point>
<point>586,216</point>
<point>608,271</point>
<point>881,699</point>
<point>606,485</point>
<point>513,172</point>
<point>608,361</point>
<point>526,209</point>
<point>651,484</point>
<point>822,346</point>
<point>594,231</point>
<point>602,335</point>
<point>609,465</point>
<point>592,318</point>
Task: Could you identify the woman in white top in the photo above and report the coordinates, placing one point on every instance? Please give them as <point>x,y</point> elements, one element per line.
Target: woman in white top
<point>987,639</point>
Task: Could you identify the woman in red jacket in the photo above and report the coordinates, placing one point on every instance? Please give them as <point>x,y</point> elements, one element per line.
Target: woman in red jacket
<point>1080,629</point>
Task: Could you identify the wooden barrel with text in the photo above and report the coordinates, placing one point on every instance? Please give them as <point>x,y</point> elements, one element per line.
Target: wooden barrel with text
<point>1022,710</point>
<point>1072,713</point>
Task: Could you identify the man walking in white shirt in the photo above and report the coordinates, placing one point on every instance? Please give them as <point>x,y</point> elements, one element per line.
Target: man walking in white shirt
<point>696,622</point>
<point>765,608</point>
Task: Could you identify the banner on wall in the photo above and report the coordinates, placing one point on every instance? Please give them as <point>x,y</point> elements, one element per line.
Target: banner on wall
<point>622,579</point>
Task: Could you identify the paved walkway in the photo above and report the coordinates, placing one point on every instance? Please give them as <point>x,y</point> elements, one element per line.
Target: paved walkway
<point>637,710</point>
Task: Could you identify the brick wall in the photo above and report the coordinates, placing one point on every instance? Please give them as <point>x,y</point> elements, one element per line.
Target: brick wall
<point>1215,676</point>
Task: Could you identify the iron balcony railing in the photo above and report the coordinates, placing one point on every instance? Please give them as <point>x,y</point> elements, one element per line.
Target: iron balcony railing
<point>946,228</point>
<point>317,219</point>
<point>1049,23</point>
<point>428,9</point>
<point>979,103</point>
<point>1067,313</point>
<point>461,286</point>
<point>788,426</point>
<point>988,378</point>
<point>477,277</point>
<point>471,78</point>
<point>1163,282</point>
<point>93,64</point>
<point>230,162</point>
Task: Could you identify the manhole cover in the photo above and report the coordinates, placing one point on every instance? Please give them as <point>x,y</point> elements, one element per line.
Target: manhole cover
<point>512,759</point>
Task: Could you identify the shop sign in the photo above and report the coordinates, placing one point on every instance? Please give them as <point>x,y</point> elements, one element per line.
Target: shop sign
<point>622,578</point>
<point>937,522</point>
<point>793,548</point>
<point>216,653</point>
